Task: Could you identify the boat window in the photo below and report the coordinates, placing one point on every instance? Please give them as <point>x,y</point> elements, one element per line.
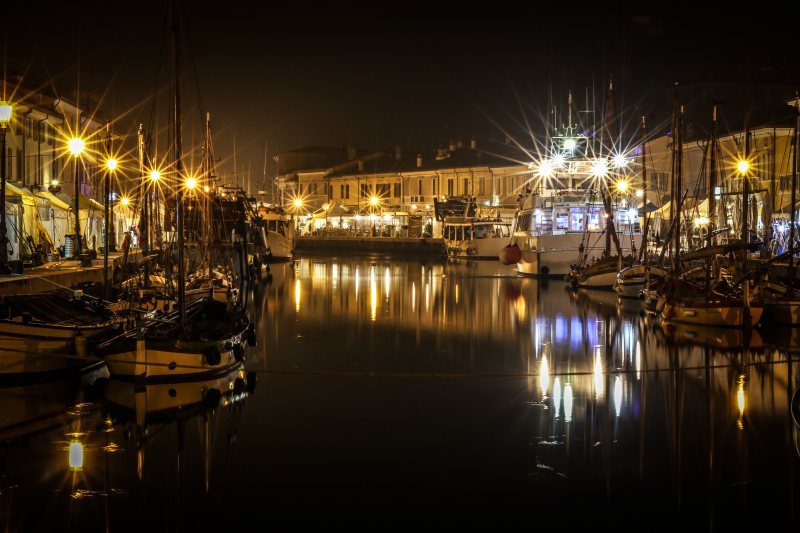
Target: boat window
<point>577,221</point>
<point>562,221</point>
<point>482,231</point>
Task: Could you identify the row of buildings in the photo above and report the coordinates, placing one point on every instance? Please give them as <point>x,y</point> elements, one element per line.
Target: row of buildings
<point>397,181</point>
<point>41,171</point>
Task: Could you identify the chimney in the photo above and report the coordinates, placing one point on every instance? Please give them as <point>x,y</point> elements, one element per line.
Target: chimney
<point>419,160</point>
<point>452,146</point>
<point>360,166</point>
<point>351,153</point>
<point>473,143</point>
<point>398,152</point>
<point>459,144</point>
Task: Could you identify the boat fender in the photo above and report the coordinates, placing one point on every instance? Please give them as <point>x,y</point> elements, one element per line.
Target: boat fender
<point>213,355</point>
<point>212,398</point>
<point>510,254</point>
<point>238,352</point>
<point>251,335</point>
<point>251,382</point>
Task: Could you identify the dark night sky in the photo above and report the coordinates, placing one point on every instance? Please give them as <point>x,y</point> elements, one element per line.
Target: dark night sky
<point>377,74</point>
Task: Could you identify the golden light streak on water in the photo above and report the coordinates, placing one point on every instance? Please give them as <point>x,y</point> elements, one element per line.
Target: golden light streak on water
<point>427,296</point>
<point>568,402</point>
<point>373,293</point>
<point>740,401</point>
<point>556,396</point>
<point>618,394</point>
<point>413,296</point>
<point>598,373</point>
<point>638,360</point>
<point>297,296</point>
<point>544,375</point>
<point>387,281</point>
<point>76,455</point>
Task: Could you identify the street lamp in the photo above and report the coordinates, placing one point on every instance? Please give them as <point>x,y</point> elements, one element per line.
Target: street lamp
<point>76,146</point>
<point>111,166</point>
<point>5,117</point>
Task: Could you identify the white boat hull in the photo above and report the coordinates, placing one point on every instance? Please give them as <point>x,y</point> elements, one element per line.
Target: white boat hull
<point>280,247</point>
<point>554,255</point>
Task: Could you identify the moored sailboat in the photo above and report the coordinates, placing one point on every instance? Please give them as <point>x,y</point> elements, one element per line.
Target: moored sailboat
<point>200,338</point>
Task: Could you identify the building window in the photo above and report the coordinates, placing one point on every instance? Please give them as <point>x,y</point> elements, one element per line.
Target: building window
<point>397,190</point>
<point>365,190</point>
<point>419,187</point>
<point>466,185</point>
<point>435,186</point>
<point>449,186</point>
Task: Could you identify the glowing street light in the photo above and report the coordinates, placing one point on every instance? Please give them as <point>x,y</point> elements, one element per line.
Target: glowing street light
<point>619,161</point>
<point>545,169</point>
<point>743,166</point>
<point>124,200</point>
<point>570,144</point>
<point>76,146</point>
<point>191,183</point>
<point>374,201</point>
<point>298,203</point>
<point>111,164</point>
<point>155,175</point>
<point>622,186</point>
<point>600,168</point>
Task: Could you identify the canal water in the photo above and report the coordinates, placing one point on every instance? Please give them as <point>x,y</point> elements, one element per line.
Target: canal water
<point>386,392</point>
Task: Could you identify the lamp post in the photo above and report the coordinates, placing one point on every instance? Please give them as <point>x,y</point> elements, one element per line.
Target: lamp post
<point>76,146</point>
<point>5,117</point>
<point>111,166</point>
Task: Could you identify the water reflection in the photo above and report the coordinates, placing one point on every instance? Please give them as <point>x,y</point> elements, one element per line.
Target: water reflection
<point>383,383</point>
<point>605,394</point>
<point>77,448</point>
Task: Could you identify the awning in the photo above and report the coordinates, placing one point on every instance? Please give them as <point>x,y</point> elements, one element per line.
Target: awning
<point>54,200</point>
<point>25,194</point>
<point>83,202</point>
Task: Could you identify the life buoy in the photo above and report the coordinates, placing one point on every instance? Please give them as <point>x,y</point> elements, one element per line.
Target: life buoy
<point>510,254</point>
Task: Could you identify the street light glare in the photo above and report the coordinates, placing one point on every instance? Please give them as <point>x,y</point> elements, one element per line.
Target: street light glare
<point>622,185</point>
<point>155,175</point>
<point>5,113</point>
<point>374,200</point>
<point>76,146</point>
<point>298,203</point>
<point>191,183</point>
<point>620,161</point>
<point>111,164</point>
<point>743,166</point>
<point>124,201</point>
<point>600,168</point>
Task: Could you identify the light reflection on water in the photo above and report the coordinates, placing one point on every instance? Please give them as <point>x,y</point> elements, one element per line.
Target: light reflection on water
<point>385,383</point>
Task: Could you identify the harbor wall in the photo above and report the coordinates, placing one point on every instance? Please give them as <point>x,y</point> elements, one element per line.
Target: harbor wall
<point>372,245</point>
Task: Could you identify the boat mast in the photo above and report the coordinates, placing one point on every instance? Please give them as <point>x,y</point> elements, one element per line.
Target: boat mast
<point>144,223</point>
<point>794,192</point>
<point>209,164</point>
<point>746,179</point>
<point>643,249</point>
<point>178,158</point>
<point>712,178</point>
<point>678,150</point>
<point>607,131</point>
